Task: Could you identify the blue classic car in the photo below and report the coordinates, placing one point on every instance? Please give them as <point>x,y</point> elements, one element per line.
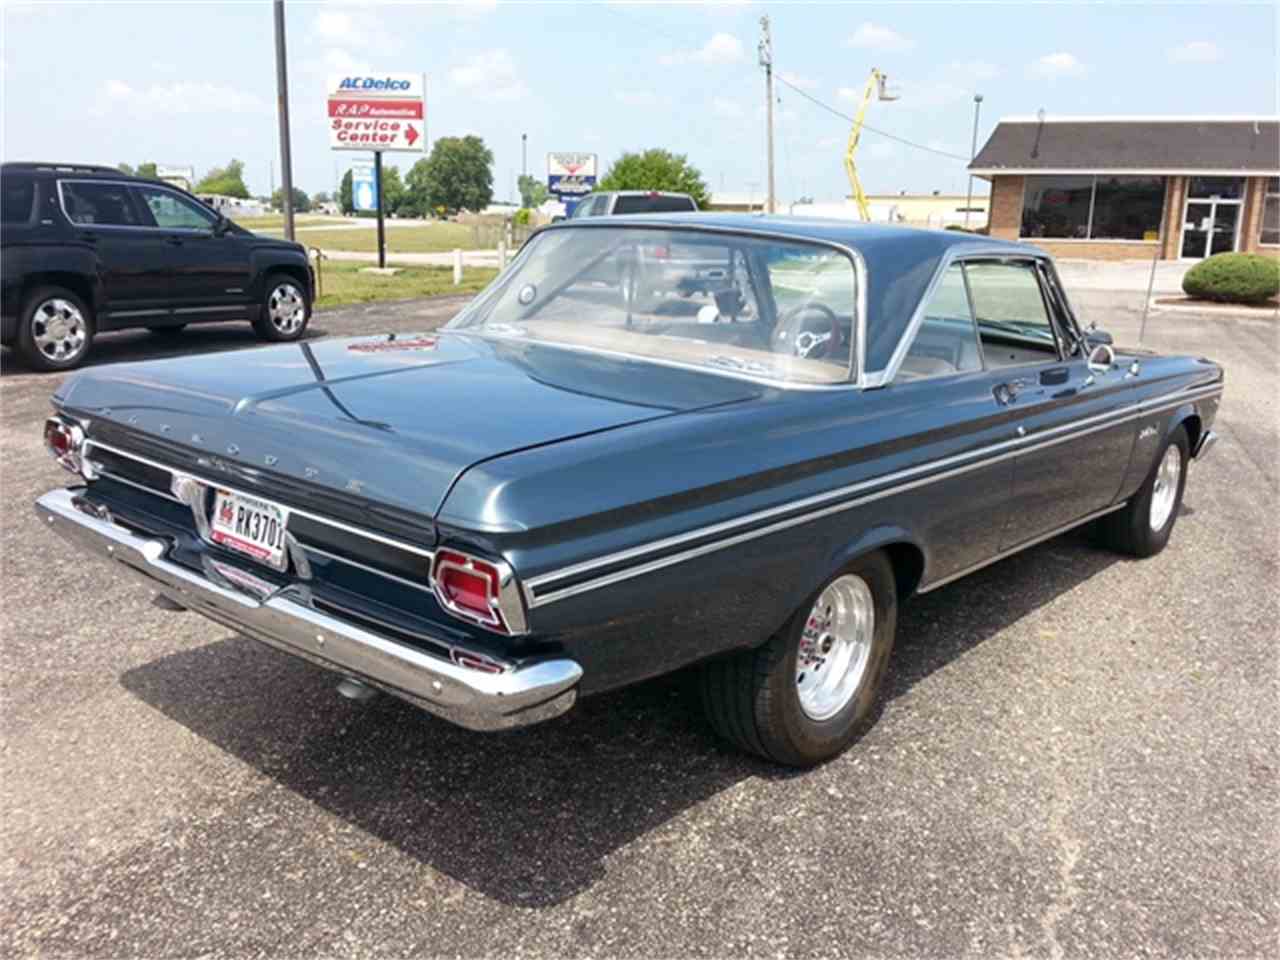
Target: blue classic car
<point>597,473</point>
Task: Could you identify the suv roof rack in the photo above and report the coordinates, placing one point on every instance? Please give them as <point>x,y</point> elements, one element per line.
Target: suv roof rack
<point>68,167</point>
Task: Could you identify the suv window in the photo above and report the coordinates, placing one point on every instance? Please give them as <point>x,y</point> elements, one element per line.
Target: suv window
<point>173,212</point>
<point>947,341</point>
<point>660,204</point>
<point>103,204</point>
<point>586,207</point>
<point>17,198</point>
<point>1009,306</point>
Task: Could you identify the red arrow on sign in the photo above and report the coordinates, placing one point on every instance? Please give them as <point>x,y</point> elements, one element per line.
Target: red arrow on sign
<point>411,134</point>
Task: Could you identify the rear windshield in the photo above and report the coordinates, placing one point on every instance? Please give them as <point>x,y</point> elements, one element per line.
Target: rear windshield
<point>659,204</point>
<point>17,198</point>
<point>738,305</point>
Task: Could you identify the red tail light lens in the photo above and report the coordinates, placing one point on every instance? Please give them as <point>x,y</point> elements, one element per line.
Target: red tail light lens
<point>63,441</point>
<point>481,591</point>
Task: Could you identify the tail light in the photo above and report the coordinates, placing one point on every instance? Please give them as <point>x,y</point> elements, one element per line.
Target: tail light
<point>483,592</point>
<point>64,441</point>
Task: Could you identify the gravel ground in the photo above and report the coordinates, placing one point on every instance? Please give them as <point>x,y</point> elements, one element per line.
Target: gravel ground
<point>1076,757</point>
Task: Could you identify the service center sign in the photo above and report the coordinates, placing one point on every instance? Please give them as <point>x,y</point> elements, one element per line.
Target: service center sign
<point>384,111</point>
<point>571,174</point>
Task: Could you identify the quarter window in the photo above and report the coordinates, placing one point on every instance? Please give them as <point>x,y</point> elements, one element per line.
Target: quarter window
<point>17,198</point>
<point>947,341</point>
<point>1013,321</point>
<point>100,204</point>
<point>172,212</point>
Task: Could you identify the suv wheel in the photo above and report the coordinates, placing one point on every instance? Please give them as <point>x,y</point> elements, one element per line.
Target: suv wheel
<point>285,309</point>
<point>55,329</point>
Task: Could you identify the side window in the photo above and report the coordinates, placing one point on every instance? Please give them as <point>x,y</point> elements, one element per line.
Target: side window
<point>173,212</point>
<point>584,208</point>
<point>1013,322</point>
<point>101,204</point>
<point>17,198</point>
<point>947,341</point>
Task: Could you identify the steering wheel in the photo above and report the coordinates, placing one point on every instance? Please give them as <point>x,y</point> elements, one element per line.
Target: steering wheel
<point>811,330</point>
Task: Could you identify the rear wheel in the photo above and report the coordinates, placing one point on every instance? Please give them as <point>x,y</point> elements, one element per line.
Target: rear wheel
<point>55,329</point>
<point>808,693</point>
<point>286,310</point>
<point>1143,526</point>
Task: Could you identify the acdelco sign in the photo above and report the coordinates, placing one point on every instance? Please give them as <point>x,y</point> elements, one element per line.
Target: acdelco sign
<point>381,111</point>
<point>373,83</point>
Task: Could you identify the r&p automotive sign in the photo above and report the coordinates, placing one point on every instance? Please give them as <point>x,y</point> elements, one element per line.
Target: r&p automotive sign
<point>383,111</point>
<point>571,175</point>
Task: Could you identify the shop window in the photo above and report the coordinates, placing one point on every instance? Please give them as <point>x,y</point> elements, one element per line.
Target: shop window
<point>1093,208</point>
<point>1216,188</point>
<point>1271,212</point>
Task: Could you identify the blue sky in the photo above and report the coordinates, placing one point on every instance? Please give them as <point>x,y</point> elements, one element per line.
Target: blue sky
<point>194,83</point>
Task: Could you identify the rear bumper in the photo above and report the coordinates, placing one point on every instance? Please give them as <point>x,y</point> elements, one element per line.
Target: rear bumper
<point>470,698</point>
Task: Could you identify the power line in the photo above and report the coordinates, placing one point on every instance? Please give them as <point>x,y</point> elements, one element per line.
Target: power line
<point>830,109</point>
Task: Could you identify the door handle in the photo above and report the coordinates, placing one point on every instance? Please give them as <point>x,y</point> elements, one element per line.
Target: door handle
<point>1135,368</point>
<point>173,241</point>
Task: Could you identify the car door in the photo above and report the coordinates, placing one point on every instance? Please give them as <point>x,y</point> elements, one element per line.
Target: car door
<point>133,264</point>
<point>1070,420</point>
<point>211,277</point>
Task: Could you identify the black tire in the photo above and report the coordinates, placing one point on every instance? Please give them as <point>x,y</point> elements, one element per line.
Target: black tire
<point>1129,529</point>
<point>42,303</point>
<point>267,324</point>
<point>168,331</point>
<point>752,698</point>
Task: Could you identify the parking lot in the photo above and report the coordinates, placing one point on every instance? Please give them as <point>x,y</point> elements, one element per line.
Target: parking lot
<point>1077,755</point>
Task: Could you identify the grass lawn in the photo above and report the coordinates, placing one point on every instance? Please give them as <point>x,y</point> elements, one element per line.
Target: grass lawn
<point>343,282</point>
<point>274,222</point>
<point>428,238</point>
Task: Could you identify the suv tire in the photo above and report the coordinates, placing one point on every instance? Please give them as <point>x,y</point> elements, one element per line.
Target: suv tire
<point>285,310</point>
<point>55,329</point>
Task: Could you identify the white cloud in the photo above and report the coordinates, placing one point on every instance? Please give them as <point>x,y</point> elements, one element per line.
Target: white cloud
<point>1196,51</point>
<point>489,75</point>
<point>826,143</point>
<point>335,25</point>
<point>873,36</point>
<point>848,93</point>
<point>882,149</point>
<point>721,48</point>
<point>729,109</point>
<point>974,69</point>
<point>636,98</point>
<point>183,97</point>
<point>1058,65</point>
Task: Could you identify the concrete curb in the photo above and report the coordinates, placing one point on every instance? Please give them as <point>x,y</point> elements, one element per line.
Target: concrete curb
<point>1257,313</point>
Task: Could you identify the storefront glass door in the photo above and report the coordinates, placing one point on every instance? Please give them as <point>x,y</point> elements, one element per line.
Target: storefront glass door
<point>1211,220</point>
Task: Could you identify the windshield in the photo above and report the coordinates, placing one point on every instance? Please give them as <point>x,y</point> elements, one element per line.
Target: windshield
<point>747,306</point>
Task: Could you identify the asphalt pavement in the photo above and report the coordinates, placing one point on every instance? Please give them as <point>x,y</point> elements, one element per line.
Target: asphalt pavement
<point>1077,756</point>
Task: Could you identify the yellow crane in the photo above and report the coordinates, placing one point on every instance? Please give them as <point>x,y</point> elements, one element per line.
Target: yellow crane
<point>877,86</point>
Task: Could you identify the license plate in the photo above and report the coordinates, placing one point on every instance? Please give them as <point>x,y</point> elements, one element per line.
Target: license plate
<point>253,527</point>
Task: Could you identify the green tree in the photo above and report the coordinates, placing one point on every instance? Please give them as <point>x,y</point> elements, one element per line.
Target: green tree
<point>457,175</point>
<point>656,169</point>
<point>225,181</point>
<point>319,197</point>
<point>125,169</point>
<point>533,192</point>
<point>147,170</point>
<point>301,202</point>
<point>393,191</point>
<point>417,201</point>
<point>346,202</point>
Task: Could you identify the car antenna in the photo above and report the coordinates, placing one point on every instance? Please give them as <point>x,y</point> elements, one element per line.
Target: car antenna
<point>1151,282</point>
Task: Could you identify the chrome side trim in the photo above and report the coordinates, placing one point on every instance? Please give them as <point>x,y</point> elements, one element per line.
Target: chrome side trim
<point>223,485</point>
<point>1004,554</point>
<point>515,696</point>
<point>971,460</point>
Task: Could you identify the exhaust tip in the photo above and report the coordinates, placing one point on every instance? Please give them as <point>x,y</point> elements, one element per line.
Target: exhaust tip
<point>355,690</point>
<point>167,603</point>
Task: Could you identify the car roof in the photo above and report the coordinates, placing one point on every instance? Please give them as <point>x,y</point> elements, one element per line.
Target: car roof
<point>901,262</point>
<point>637,193</point>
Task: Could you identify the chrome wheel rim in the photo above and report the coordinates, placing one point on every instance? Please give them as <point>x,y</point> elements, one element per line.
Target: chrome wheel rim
<point>286,308</point>
<point>58,330</point>
<point>1165,490</point>
<point>835,647</point>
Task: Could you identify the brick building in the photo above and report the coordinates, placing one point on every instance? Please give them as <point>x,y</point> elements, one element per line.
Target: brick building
<point>1122,188</point>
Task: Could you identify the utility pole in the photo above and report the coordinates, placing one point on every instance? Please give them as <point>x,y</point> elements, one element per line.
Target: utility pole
<point>766,60</point>
<point>973,152</point>
<point>282,109</point>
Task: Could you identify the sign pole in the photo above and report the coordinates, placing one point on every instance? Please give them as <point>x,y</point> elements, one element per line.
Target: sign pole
<point>377,186</point>
<point>282,109</point>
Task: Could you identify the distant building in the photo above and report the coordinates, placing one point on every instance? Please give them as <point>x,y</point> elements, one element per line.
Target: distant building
<point>232,207</point>
<point>938,210</point>
<point>737,203</point>
<point>1115,188</point>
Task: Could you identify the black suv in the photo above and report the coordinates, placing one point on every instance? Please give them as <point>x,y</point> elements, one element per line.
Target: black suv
<point>86,249</point>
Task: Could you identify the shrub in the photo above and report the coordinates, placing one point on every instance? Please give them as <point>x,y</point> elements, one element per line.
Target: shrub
<point>1233,278</point>
<point>522,217</point>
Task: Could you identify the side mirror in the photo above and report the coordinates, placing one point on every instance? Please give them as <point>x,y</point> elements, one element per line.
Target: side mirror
<point>1095,337</point>
<point>1101,358</point>
<point>557,218</point>
<point>221,226</point>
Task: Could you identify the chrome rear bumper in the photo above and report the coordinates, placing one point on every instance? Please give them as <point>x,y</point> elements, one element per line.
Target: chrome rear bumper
<point>470,698</point>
